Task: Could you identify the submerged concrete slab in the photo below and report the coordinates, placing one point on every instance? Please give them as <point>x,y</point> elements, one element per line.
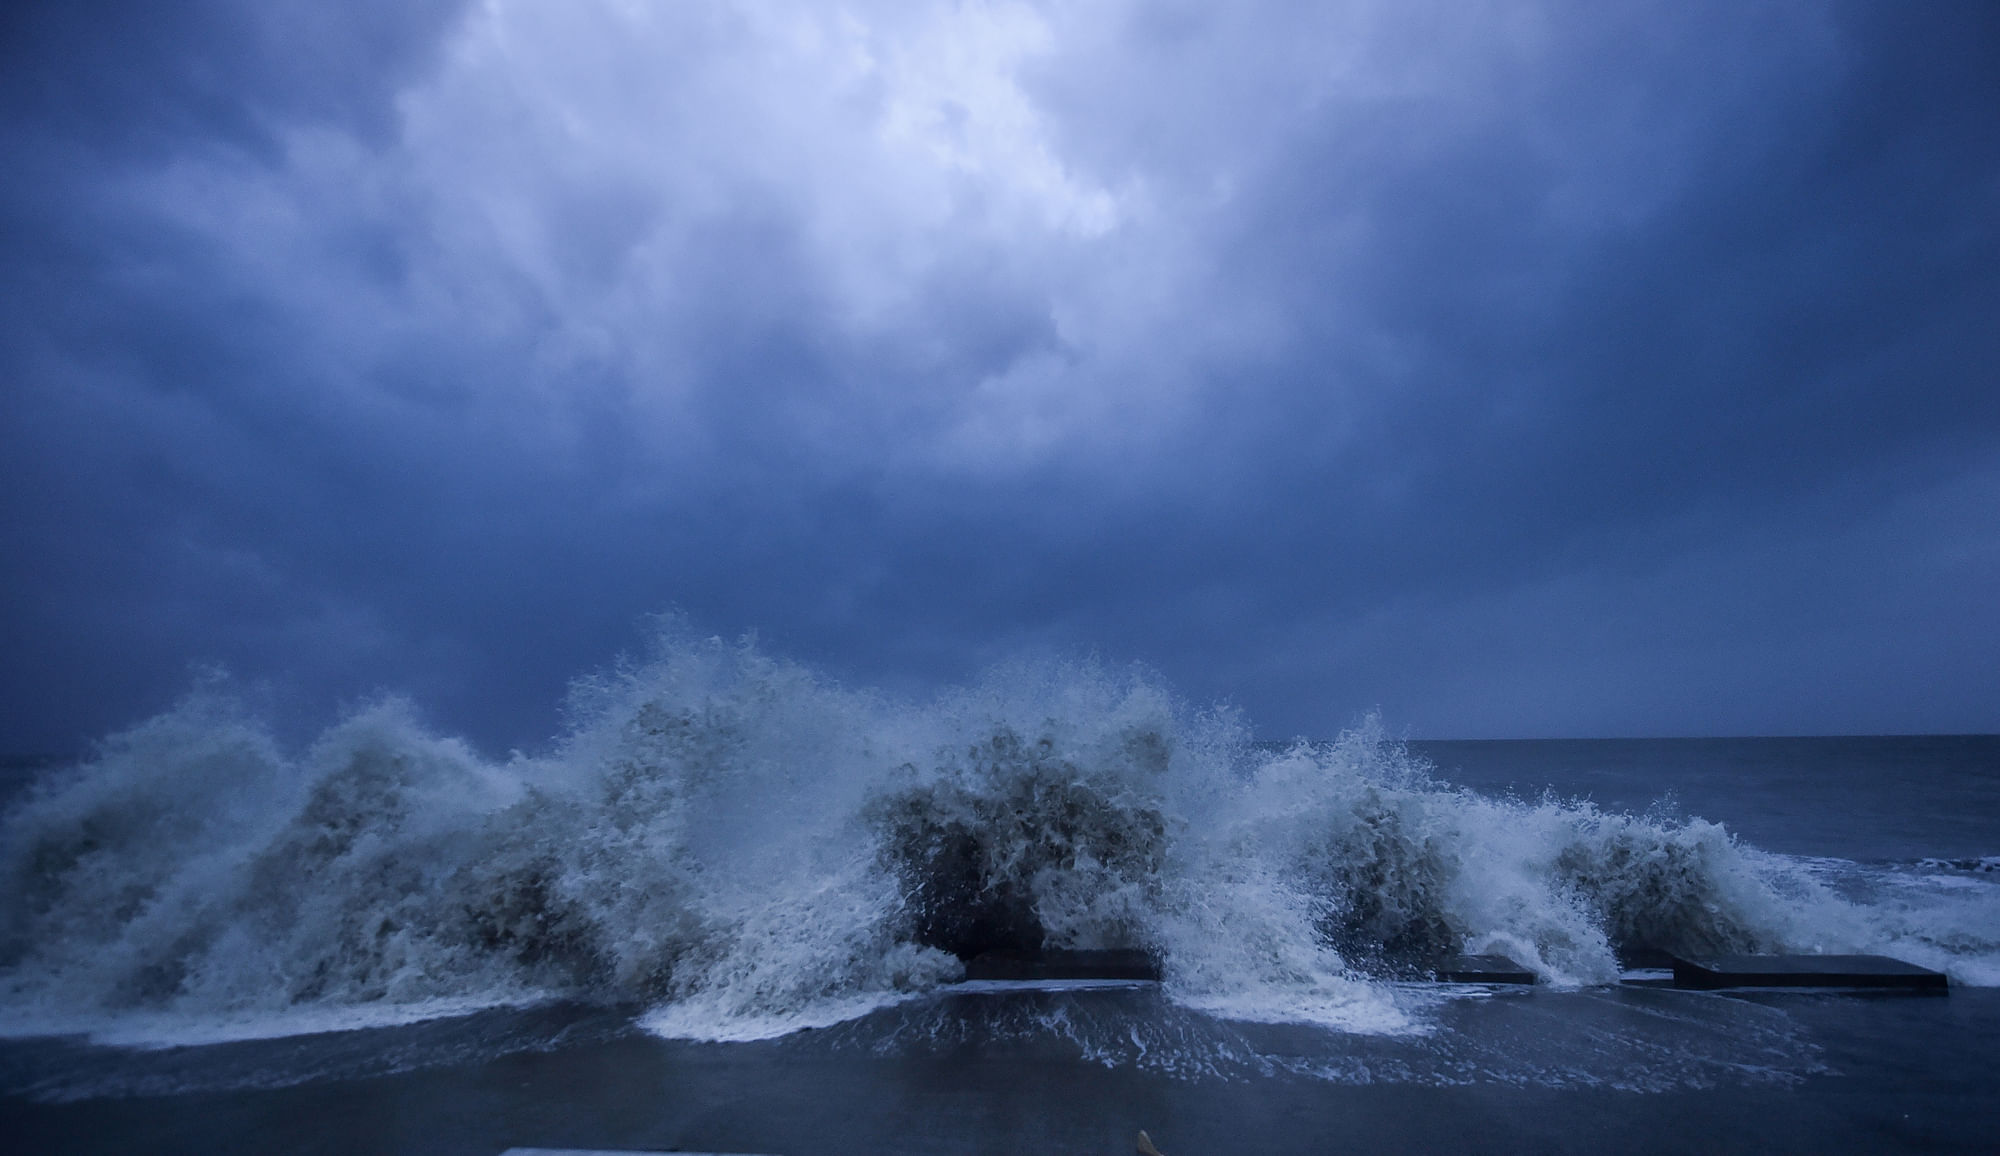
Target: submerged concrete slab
<point>1857,971</point>
<point>1483,969</point>
<point>1060,965</point>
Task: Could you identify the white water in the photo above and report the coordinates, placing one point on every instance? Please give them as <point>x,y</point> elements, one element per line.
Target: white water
<point>747,849</point>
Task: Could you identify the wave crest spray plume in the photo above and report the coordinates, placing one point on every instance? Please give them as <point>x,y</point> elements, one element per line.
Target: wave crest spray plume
<point>745,848</point>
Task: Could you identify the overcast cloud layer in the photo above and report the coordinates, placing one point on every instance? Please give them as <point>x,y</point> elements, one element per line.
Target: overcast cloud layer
<point>1520,369</point>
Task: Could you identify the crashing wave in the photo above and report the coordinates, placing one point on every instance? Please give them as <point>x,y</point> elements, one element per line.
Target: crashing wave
<point>746,849</point>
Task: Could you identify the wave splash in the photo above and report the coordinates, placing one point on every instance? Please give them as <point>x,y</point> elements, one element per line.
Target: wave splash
<point>748,849</point>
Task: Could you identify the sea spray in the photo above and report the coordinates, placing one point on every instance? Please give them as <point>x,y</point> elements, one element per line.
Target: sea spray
<point>745,848</point>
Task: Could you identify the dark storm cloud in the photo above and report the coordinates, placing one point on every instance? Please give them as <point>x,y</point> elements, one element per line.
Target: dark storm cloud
<point>143,80</point>
<point>1525,369</point>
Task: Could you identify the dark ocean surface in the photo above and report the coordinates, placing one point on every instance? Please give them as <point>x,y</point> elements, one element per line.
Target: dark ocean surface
<point>1875,1075</point>
<point>722,918</point>
<point>1872,798</point>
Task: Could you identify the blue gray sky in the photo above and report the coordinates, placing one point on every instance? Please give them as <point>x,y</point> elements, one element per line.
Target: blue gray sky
<point>1518,369</point>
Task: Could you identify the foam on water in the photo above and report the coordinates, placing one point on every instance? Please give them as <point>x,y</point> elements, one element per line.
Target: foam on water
<point>748,849</point>
<point>1619,1038</point>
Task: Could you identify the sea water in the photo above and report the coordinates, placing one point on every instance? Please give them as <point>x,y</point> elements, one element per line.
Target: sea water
<point>728,860</point>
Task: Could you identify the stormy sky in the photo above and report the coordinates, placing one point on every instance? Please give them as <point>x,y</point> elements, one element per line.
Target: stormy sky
<point>1518,369</point>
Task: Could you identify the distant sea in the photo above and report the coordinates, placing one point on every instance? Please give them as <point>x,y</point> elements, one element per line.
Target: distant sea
<point>1874,799</point>
<point>726,911</point>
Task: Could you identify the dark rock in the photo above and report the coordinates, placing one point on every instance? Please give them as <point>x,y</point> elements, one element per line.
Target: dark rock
<point>1634,957</point>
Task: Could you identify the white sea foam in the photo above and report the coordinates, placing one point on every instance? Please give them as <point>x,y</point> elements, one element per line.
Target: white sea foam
<point>747,850</point>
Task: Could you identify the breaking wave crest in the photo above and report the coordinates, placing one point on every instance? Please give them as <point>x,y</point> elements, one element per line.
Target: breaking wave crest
<point>746,849</point>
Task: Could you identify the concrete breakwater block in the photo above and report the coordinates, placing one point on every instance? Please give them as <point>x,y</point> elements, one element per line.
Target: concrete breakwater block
<point>1483,969</point>
<point>1059,965</point>
<point>1856,971</point>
